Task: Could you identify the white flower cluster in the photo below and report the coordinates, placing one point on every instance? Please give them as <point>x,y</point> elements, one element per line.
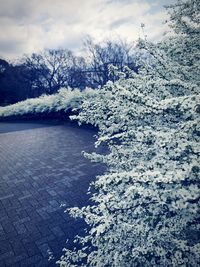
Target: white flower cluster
<point>146,206</point>
<point>65,99</point>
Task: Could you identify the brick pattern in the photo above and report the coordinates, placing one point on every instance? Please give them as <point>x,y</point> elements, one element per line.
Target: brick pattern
<point>40,169</point>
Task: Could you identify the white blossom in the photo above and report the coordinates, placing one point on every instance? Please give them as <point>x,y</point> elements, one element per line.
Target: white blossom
<point>146,207</point>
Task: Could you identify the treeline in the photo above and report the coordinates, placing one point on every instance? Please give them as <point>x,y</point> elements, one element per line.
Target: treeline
<point>48,71</point>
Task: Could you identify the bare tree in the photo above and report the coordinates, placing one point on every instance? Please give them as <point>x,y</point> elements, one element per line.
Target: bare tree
<point>101,55</point>
<point>50,69</point>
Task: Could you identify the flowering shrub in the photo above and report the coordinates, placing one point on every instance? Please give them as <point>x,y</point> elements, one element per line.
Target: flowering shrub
<point>145,207</point>
<point>65,99</point>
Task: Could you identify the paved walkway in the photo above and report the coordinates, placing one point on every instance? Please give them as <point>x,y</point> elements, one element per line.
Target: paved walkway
<point>40,168</point>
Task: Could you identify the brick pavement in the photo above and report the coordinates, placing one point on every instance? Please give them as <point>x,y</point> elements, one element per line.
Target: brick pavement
<point>40,169</point>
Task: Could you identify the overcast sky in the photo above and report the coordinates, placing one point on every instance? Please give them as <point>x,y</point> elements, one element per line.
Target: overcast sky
<point>28,26</point>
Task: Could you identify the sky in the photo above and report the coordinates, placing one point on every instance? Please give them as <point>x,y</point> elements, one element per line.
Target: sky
<point>28,26</point>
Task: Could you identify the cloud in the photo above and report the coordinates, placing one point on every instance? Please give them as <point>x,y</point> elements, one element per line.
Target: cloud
<point>30,26</point>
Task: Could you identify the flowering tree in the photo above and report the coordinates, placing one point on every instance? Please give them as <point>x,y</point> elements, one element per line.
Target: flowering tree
<point>145,209</point>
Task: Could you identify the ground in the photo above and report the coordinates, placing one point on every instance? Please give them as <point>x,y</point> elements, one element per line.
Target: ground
<point>41,167</point>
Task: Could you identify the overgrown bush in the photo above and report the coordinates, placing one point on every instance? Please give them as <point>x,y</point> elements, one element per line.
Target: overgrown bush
<point>65,99</point>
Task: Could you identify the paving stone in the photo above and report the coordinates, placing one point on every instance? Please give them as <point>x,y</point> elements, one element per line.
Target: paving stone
<point>40,168</point>
<point>6,255</point>
<point>6,196</point>
<point>5,247</point>
<point>7,227</point>
<point>21,229</point>
<point>32,249</point>
<point>17,247</point>
<point>44,239</point>
<point>16,259</point>
<point>44,249</point>
<point>11,235</point>
<point>44,263</point>
<point>16,264</point>
<point>30,261</point>
<point>44,230</point>
<point>57,231</point>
